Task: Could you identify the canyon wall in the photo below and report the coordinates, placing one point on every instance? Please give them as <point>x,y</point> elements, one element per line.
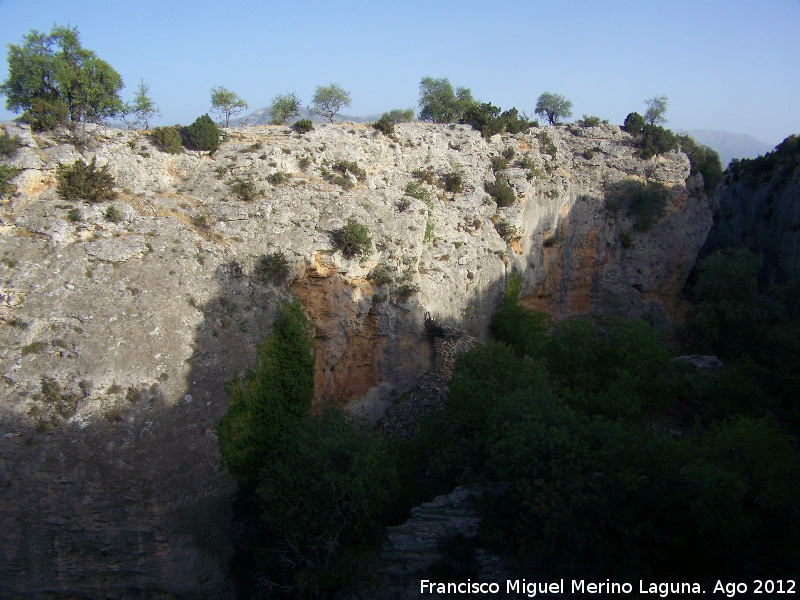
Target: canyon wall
<point>118,337</point>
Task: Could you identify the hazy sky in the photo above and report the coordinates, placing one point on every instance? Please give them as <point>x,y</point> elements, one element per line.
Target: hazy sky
<point>732,65</point>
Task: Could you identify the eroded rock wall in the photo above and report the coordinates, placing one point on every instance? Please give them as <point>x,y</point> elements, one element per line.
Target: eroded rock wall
<point>117,337</point>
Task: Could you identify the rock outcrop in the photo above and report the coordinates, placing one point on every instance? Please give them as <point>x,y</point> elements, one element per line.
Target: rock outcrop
<point>118,337</point>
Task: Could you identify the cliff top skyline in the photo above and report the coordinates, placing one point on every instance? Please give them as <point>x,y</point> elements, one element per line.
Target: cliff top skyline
<point>725,66</point>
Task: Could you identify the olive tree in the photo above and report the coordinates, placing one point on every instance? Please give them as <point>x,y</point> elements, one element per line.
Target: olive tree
<point>284,107</point>
<point>328,100</point>
<point>656,107</point>
<point>553,107</point>
<point>226,102</point>
<point>56,81</point>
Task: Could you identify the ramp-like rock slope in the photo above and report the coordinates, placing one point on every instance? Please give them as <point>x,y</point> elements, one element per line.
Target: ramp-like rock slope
<point>117,338</point>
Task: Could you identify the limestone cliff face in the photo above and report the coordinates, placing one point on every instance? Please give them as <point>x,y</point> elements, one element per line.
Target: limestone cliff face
<point>759,209</point>
<point>117,338</point>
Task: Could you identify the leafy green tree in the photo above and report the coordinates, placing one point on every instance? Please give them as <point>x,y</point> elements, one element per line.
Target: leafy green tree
<point>276,395</point>
<point>657,140</point>
<point>226,102</point>
<point>554,107</point>
<point>284,107</point>
<point>438,102</point>
<point>51,74</point>
<point>656,107</point>
<point>401,115</point>
<point>328,100</point>
<point>143,107</point>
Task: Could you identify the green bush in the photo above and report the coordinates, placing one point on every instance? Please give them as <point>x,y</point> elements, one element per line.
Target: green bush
<point>645,203</point>
<point>385,125</point>
<point>656,140</point>
<point>634,123</point>
<point>499,163</point>
<point>203,134</point>
<point>416,190</point>
<point>501,191</point>
<point>353,239</point>
<point>274,267</point>
<point>244,189</point>
<point>546,144</point>
<point>588,154</point>
<point>9,145</point>
<point>277,178</point>
<point>7,173</point>
<point>454,181</point>
<point>80,181</point>
<point>303,126</point>
<point>167,139</point>
<point>345,166</point>
<point>113,214</point>
<point>590,121</point>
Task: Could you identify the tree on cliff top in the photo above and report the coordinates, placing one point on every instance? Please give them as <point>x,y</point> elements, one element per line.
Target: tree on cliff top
<point>656,107</point>
<point>554,107</point>
<point>226,102</point>
<point>328,100</point>
<point>56,81</point>
<point>438,103</point>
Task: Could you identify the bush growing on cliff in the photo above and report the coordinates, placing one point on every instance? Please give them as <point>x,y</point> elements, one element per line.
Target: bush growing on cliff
<point>80,181</point>
<point>645,203</point>
<point>203,134</point>
<point>385,125</point>
<point>9,145</point>
<point>7,173</point>
<point>634,123</point>
<point>303,126</point>
<point>167,139</point>
<point>353,239</point>
<point>500,191</point>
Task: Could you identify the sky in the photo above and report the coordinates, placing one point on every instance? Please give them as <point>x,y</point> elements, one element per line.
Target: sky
<point>725,65</point>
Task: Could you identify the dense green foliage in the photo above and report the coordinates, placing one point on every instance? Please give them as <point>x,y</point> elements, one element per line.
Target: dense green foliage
<point>488,119</point>
<point>328,100</point>
<point>80,181</point>
<point>56,81</point>
<point>703,160</point>
<point>314,488</point>
<point>167,139</point>
<point>573,419</point>
<point>284,107</point>
<point>657,140</point>
<point>553,106</point>
<point>438,103</point>
<point>203,134</point>
<point>781,164</point>
<point>634,123</point>
<point>353,239</point>
<point>226,102</point>
<point>244,189</point>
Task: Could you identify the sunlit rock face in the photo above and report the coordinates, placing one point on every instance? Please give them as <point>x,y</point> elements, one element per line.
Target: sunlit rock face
<point>118,337</point>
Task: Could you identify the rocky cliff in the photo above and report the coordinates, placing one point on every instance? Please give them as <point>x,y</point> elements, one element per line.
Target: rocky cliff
<point>757,206</point>
<point>118,337</point>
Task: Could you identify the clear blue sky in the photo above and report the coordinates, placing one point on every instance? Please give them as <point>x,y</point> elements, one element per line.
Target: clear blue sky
<point>731,65</point>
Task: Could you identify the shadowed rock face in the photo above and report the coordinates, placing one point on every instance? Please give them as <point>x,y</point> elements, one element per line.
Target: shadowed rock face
<point>117,338</point>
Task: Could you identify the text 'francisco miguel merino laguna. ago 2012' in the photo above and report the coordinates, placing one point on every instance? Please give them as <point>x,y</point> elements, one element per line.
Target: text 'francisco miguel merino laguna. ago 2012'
<point>580,586</point>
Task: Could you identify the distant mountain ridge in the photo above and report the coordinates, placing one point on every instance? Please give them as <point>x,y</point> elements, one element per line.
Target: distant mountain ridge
<point>261,117</point>
<point>730,145</point>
